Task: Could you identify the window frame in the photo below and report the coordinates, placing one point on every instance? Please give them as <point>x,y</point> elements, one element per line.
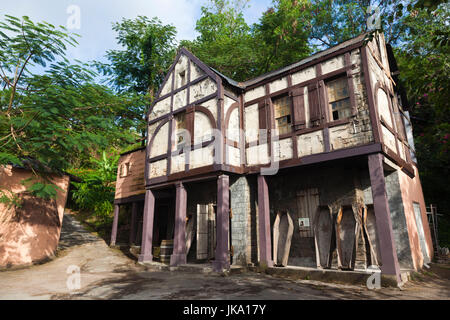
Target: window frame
<point>329,110</point>
<point>290,124</point>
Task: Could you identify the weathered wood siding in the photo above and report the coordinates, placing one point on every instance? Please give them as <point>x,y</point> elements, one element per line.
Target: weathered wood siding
<point>131,183</point>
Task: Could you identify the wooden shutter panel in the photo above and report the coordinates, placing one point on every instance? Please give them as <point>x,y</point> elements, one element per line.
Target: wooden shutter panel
<point>262,108</point>
<point>313,100</point>
<point>298,101</point>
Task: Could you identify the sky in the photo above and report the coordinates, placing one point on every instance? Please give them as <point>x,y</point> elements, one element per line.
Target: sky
<point>96,18</point>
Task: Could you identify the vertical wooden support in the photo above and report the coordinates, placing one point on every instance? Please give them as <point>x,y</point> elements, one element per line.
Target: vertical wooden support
<point>388,252</point>
<point>147,228</point>
<point>265,254</point>
<point>222,257</point>
<point>134,212</point>
<point>114,226</point>
<point>179,242</point>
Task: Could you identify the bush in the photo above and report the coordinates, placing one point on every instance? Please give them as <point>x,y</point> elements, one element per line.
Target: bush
<point>96,193</point>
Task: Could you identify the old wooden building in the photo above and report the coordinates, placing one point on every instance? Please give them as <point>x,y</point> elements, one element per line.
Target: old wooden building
<point>310,165</point>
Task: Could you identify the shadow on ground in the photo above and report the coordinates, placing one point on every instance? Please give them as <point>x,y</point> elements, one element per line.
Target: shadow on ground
<point>73,234</point>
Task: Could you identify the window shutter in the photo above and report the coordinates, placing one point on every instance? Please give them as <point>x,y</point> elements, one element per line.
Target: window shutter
<point>262,108</point>
<point>298,101</point>
<point>313,100</point>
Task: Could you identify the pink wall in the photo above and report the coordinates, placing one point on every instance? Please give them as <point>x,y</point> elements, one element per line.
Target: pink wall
<point>412,192</point>
<point>31,233</point>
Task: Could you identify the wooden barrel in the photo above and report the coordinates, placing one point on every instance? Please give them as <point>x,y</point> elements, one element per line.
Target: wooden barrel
<point>166,250</point>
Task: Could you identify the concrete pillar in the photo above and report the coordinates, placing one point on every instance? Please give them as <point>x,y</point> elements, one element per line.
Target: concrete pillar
<point>265,246</point>
<point>385,232</point>
<point>147,228</point>
<point>222,255</point>
<point>179,242</point>
<point>134,209</point>
<point>114,226</point>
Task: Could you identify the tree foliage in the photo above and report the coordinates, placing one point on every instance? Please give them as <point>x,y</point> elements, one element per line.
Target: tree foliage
<point>96,193</point>
<point>59,116</point>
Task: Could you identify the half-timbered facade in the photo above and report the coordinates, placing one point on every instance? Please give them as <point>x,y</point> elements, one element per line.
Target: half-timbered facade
<point>310,165</point>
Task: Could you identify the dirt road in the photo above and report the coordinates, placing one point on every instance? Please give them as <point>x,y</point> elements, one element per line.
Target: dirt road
<point>107,273</point>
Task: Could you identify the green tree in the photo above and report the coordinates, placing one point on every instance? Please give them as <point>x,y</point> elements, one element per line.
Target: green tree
<point>96,193</point>
<point>58,117</point>
<point>281,35</point>
<point>424,63</point>
<point>225,41</point>
<point>140,67</point>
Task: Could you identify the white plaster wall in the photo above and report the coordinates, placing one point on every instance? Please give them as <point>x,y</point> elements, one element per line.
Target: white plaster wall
<point>383,107</point>
<point>333,64</point>
<point>255,93</point>
<point>180,67</point>
<point>167,86</point>
<point>282,149</point>
<point>202,128</point>
<point>278,85</point>
<point>202,157</point>
<point>233,156</point>
<point>211,105</point>
<point>388,139</point>
<point>355,57</point>
<point>196,72</point>
<point>310,143</point>
<point>178,163</point>
<point>157,169</point>
<point>303,75</point>
<point>202,89</point>
<point>160,143</point>
<point>402,150</point>
<point>233,126</point>
<point>257,155</point>
<point>340,137</point>
<point>159,109</point>
<point>151,130</point>
<point>180,99</point>
<point>227,103</point>
<point>251,123</point>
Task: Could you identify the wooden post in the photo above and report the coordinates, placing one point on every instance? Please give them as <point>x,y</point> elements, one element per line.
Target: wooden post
<point>115,224</point>
<point>222,256</point>
<point>179,242</point>
<point>265,246</point>
<point>388,252</point>
<point>147,228</point>
<point>134,209</point>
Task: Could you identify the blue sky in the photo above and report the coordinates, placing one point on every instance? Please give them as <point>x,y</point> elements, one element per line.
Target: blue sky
<point>96,17</point>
